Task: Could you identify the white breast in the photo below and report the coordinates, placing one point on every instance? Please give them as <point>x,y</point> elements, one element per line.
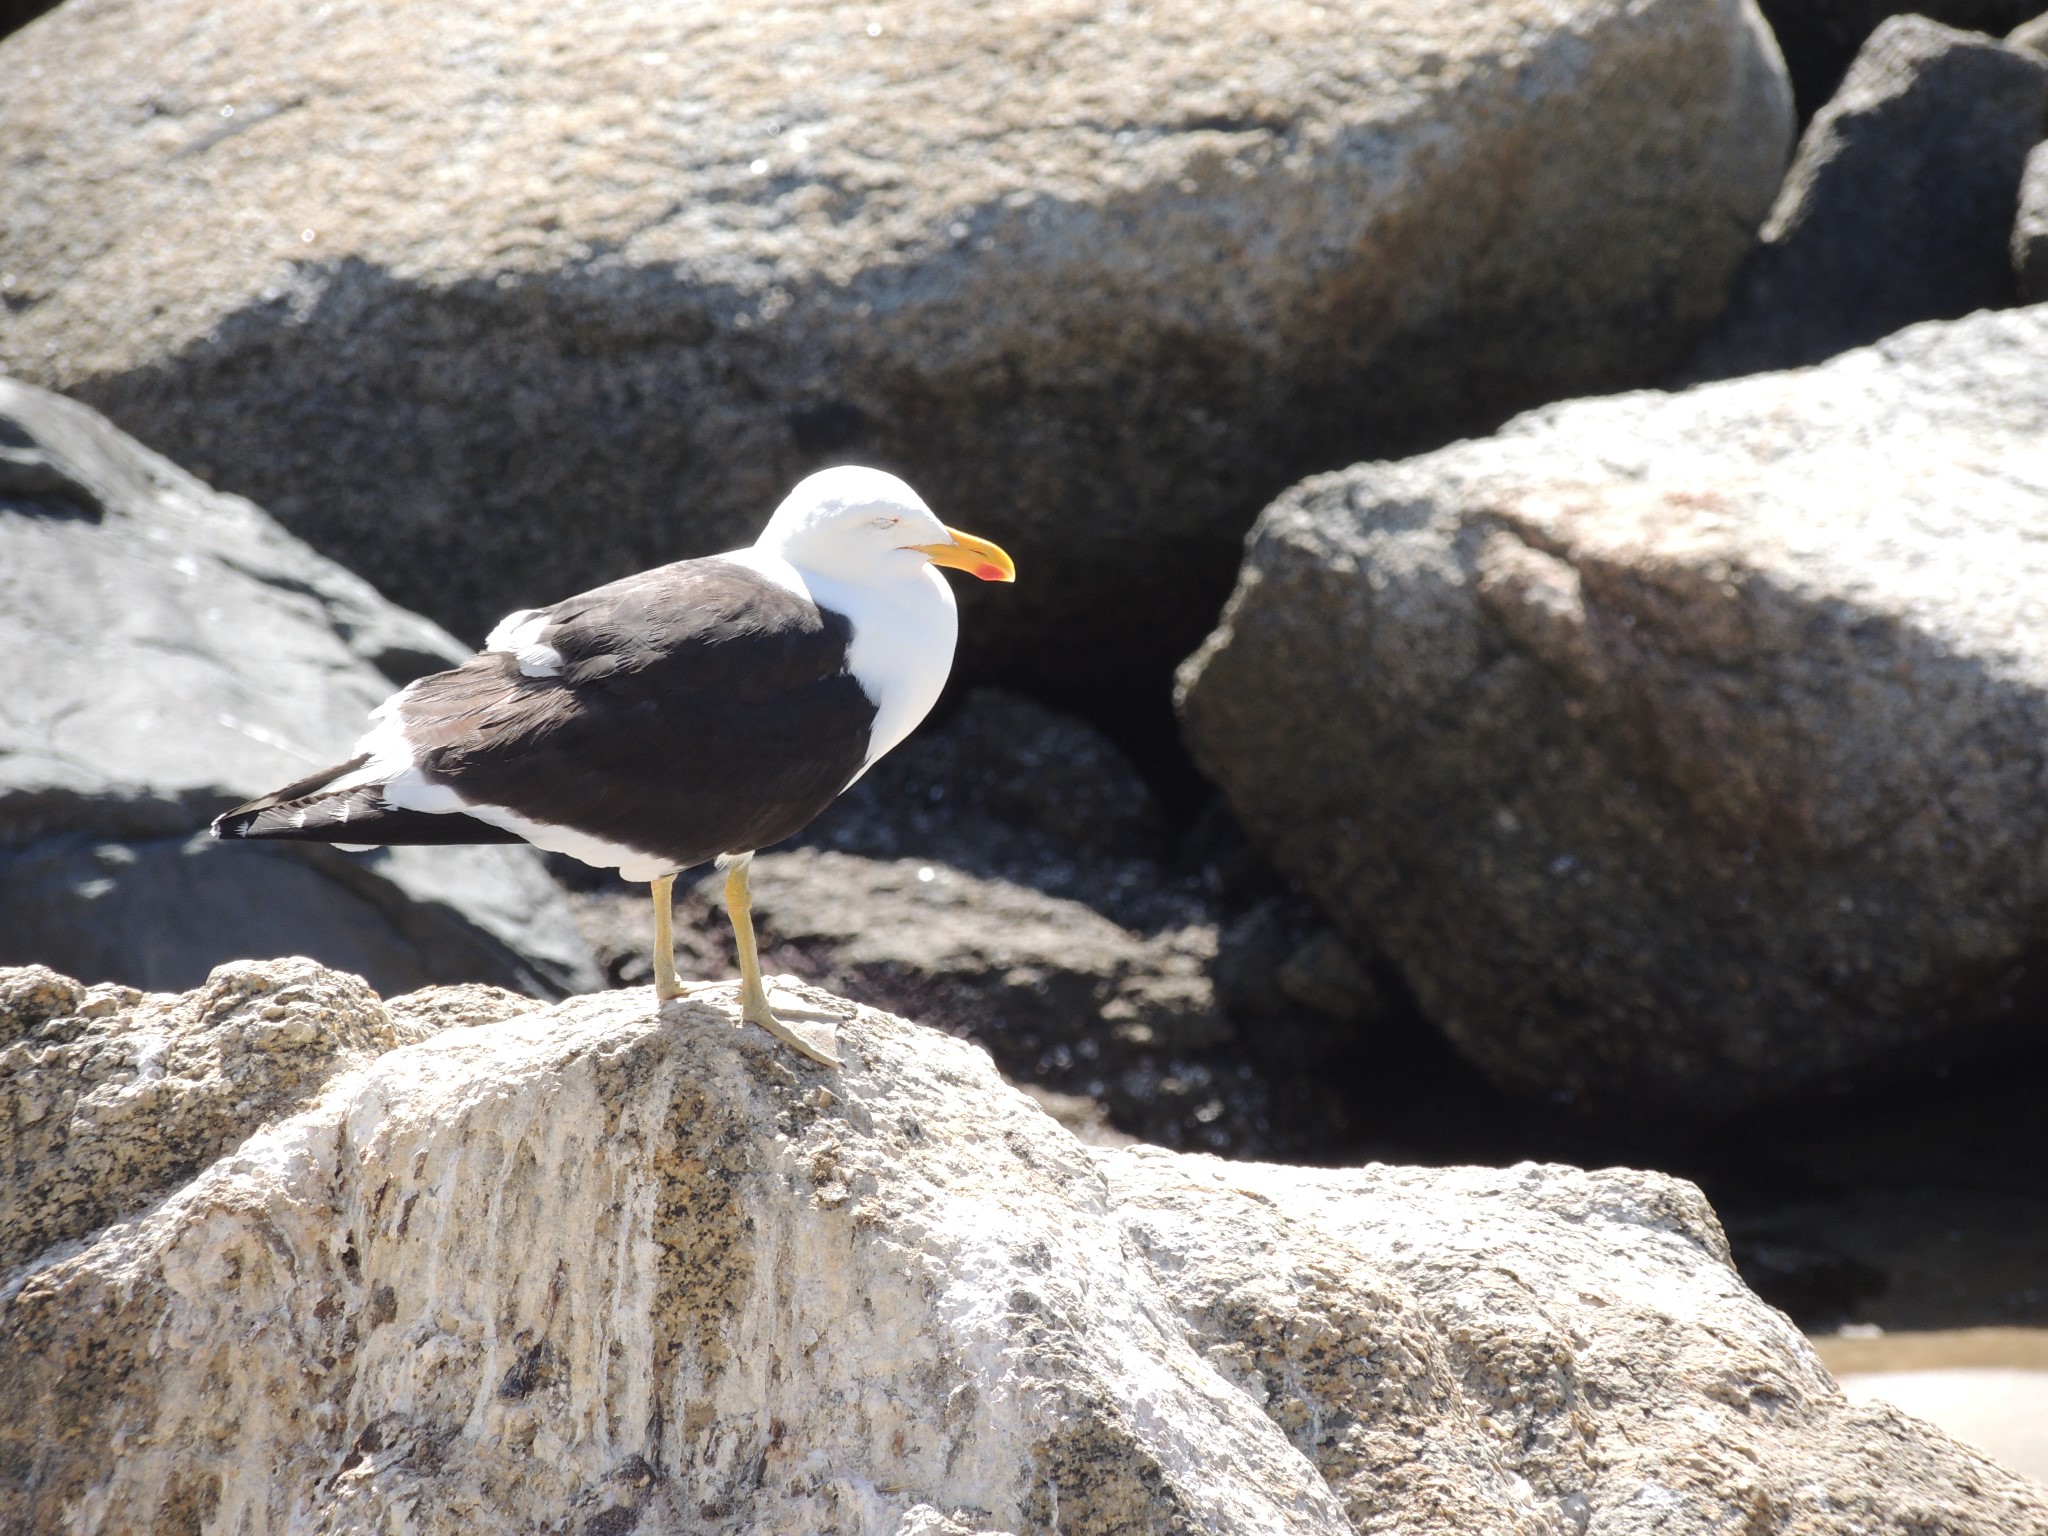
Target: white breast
<point>903,637</point>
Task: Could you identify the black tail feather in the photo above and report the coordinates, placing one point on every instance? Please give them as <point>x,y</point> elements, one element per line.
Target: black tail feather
<point>308,812</point>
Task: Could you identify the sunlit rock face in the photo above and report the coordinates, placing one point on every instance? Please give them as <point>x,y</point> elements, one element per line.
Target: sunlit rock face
<point>595,1268</point>
<point>1682,749</point>
<point>492,301</point>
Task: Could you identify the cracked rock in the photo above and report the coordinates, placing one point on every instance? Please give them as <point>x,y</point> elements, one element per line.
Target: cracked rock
<point>110,1098</point>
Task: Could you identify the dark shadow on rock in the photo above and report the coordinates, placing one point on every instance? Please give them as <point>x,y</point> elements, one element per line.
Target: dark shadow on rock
<point>1653,814</point>
<point>160,914</point>
<point>1007,876</point>
<point>2030,228</point>
<point>1898,208</point>
<point>16,14</point>
<point>174,653</point>
<point>1820,38</point>
<point>1664,978</point>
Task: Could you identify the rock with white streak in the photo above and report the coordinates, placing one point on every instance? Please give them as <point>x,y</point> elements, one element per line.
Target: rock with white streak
<point>494,300</point>
<point>591,1269</point>
<point>1683,750</point>
<point>594,1259</point>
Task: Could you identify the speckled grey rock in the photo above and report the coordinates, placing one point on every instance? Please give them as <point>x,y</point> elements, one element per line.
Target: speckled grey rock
<point>602,1268</point>
<point>175,652</point>
<point>1681,749</point>
<point>1421,1335</point>
<point>491,301</point>
<point>2030,229</point>
<point>1898,206</point>
<point>1004,786</point>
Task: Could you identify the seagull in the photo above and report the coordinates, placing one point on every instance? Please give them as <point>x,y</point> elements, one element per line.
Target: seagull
<point>694,712</point>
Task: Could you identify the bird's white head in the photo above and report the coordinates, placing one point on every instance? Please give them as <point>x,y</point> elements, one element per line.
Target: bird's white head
<point>865,524</point>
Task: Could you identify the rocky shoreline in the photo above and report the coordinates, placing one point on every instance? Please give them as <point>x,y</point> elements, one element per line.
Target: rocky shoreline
<point>1528,658</point>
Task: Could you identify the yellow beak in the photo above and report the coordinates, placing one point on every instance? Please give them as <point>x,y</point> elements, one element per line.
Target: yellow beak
<point>975,556</point>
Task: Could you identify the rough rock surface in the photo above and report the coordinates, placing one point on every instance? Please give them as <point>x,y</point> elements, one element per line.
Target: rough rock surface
<point>1820,38</point>
<point>1680,749</point>
<point>110,1098</point>
<point>175,652</point>
<point>1006,786</point>
<point>1489,1400</point>
<point>1898,206</point>
<point>493,301</point>
<point>1005,948</point>
<point>1003,876</point>
<point>2030,229</point>
<point>593,1269</point>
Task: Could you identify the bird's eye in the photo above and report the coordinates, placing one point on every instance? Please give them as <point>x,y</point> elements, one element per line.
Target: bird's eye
<point>887,522</point>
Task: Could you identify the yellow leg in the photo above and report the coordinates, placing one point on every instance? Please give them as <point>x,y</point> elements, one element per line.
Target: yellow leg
<point>739,906</point>
<point>665,984</point>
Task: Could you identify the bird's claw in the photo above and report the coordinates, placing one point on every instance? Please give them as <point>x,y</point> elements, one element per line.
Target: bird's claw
<point>757,1011</point>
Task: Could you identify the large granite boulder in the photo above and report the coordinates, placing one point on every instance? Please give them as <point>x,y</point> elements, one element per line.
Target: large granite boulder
<point>491,301</point>
<point>603,1268</point>
<point>173,652</point>
<point>1898,207</point>
<point>1681,749</point>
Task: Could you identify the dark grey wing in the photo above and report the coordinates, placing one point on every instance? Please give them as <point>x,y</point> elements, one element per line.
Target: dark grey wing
<point>697,709</point>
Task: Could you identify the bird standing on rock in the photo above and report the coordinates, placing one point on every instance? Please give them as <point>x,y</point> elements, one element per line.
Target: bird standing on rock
<point>697,711</point>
